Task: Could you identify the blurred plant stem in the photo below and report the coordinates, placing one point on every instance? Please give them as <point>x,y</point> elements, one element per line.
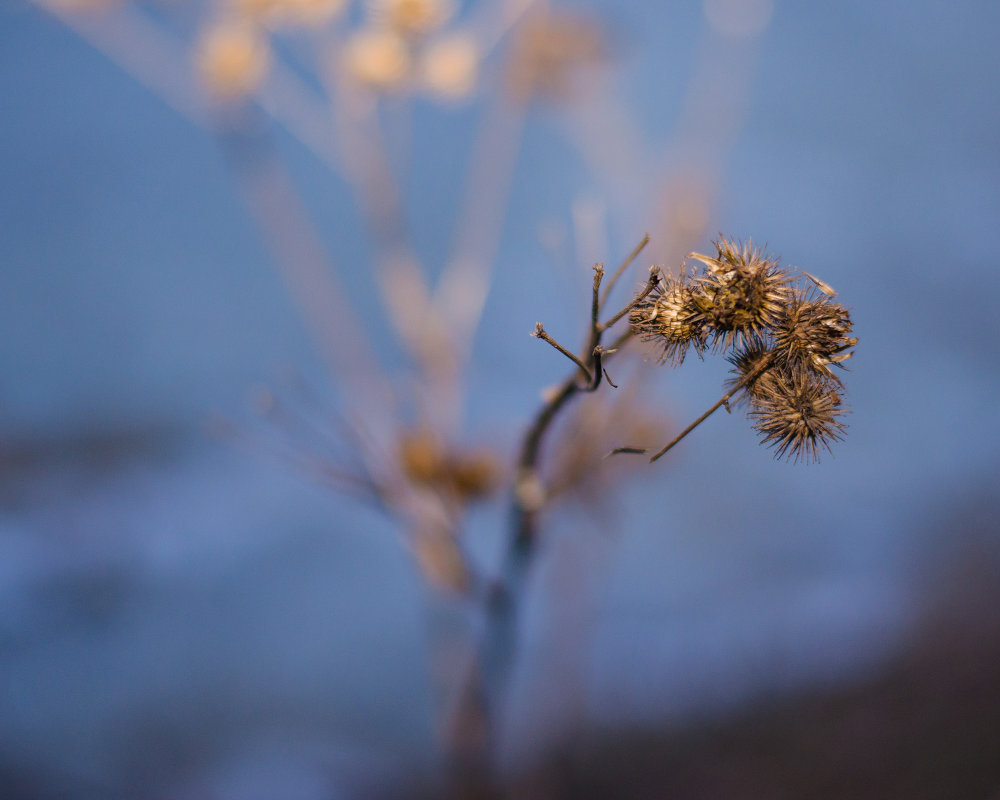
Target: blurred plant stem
<point>472,736</point>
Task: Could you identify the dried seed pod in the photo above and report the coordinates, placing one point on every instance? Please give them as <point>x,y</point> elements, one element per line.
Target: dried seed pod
<point>812,333</point>
<point>668,318</point>
<point>742,293</point>
<point>781,338</point>
<point>473,476</point>
<point>798,415</point>
<point>377,58</point>
<point>232,59</point>
<point>421,457</point>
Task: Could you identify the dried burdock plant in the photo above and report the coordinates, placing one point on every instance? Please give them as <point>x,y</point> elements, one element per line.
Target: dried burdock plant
<point>529,496</point>
<point>465,476</point>
<point>797,413</point>
<point>781,330</point>
<point>812,333</point>
<point>739,296</point>
<point>667,317</point>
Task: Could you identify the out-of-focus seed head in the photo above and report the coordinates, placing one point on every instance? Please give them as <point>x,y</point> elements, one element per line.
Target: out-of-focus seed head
<point>232,59</point>
<point>377,58</point>
<point>669,318</point>
<point>742,293</point>
<point>548,52</point>
<point>812,333</point>
<point>449,66</point>
<point>411,17</point>
<point>421,456</point>
<point>286,13</point>
<point>798,415</point>
<point>425,460</point>
<point>474,475</point>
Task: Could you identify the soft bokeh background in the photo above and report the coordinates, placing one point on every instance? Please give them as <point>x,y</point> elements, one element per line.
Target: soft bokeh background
<point>179,614</point>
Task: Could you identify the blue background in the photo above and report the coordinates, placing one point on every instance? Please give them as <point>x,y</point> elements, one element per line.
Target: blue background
<point>166,599</point>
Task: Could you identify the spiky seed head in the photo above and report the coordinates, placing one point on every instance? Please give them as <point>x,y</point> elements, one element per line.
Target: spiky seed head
<point>798,415</point>
<point>813,332</point>
<point>781,340</point>
<point>741,294</point>
<point>667,317</point>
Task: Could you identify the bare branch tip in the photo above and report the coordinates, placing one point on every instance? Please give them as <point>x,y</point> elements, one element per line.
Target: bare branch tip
<point>630,450</point>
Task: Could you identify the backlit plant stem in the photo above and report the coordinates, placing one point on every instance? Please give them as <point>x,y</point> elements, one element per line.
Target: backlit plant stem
<point>740,386</point>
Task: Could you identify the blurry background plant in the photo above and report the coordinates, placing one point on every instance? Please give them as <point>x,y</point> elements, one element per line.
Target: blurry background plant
<point>419,113</point>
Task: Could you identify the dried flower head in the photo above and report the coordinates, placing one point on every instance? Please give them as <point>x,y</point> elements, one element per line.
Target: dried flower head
<point>669,317</point>
<point>421,456</point>
<point>741,294</point>
<point>232,60</point>
<point>411,17</point>
<point>781,340</point>
<point>812,333</point>
<point>798,414</point>
<point>377,58</point>
<point>474,475</point>
<point>449,66</point>
<point>549,48</point>
<point>425,460</point>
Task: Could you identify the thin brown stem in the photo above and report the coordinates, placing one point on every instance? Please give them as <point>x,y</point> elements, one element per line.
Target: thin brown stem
<point>595,305</point>
<point>483,690</point>
<point>540,333</point>
<point>624,266</point>
<point>652,283</point>
<point>632,450</point>
<point>598,354</point>
<point>693,425</point>
<point>723,401</point>
<point>526,513</point>
<point>593,370</point>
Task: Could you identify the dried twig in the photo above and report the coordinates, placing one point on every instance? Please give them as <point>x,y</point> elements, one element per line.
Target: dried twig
<point>624,266</point>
